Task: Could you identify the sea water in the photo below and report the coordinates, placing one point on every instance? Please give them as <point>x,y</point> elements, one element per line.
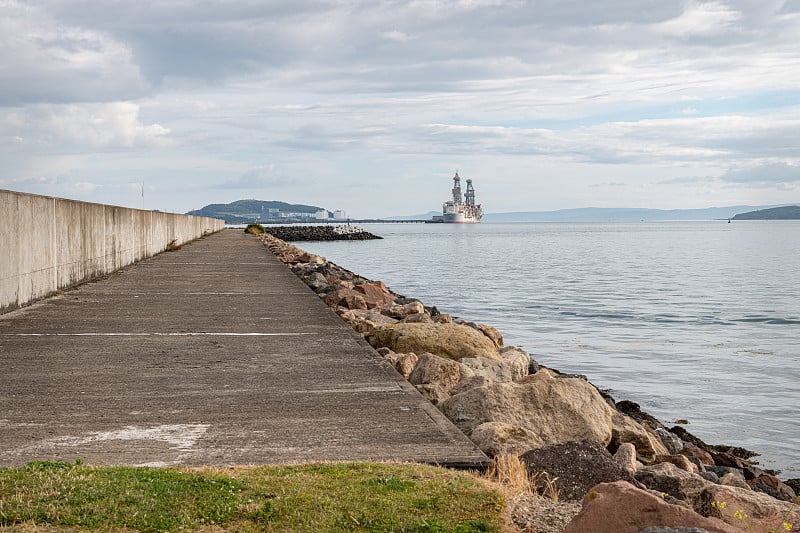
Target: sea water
<point>692,320</point>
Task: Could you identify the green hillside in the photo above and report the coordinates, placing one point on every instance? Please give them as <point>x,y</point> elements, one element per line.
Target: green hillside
<point>244,211</point>
<point>789,212</point>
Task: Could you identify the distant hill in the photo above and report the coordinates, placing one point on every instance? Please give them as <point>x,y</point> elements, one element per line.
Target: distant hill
<point>244,211</point>
<point>599,214</point>
<point>789,212</point>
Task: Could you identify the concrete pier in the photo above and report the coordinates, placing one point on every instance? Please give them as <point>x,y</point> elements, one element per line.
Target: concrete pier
<point>215,354</point>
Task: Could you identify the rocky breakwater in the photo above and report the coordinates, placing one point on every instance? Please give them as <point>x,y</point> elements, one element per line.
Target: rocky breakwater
<point>320,233</point>
<point>630,471</point>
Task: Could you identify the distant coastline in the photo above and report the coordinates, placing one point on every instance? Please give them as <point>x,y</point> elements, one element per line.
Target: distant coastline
<point>610,214</point>
<point>271,212</point>
<point>789,212</point>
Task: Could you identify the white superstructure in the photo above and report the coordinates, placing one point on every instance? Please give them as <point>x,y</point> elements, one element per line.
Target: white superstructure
<point>462,210</point>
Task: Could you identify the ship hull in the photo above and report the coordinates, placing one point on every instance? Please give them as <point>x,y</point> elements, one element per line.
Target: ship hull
<point>458,218</point>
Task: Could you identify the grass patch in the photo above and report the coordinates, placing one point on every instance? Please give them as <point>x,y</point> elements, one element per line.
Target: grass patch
<point>255,229</point>
<point>318,497</point>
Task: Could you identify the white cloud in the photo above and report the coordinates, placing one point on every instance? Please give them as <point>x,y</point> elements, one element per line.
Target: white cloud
<point>395,35</point>
<point>82,126</point>
<point>701,19</point>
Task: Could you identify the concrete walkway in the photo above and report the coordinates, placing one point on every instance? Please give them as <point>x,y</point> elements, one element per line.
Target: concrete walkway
<point>212,355</point>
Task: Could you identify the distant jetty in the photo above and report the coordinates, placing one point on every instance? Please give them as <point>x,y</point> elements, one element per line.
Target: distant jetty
<point>318,233</point>
<point>789,212</point>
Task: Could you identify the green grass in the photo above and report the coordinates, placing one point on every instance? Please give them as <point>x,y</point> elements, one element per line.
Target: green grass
<point>255,229</point>
<point>321,497</point>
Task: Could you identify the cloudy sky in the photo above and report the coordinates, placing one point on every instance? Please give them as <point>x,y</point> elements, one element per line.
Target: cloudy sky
<point>371,106</point>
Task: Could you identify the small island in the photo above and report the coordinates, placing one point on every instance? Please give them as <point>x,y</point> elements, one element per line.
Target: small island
<point>789,212</point>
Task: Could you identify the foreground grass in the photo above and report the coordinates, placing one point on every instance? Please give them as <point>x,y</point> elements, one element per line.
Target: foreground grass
<point>322,497</point>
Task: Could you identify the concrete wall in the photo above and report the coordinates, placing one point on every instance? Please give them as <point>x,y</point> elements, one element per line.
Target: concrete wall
<point>47,244</point>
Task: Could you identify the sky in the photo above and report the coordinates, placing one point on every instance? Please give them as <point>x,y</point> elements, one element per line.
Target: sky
<point>372,106</point>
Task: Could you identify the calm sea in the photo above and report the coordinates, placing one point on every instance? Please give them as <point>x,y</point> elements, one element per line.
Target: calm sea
<point>694,320</point>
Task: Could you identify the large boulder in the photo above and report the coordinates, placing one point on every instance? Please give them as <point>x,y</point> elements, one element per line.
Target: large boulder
<point>669,479</point>
<point>576,467</point>
<point>433,392</point>
<point>769,484</point>
<point>452,341</point>
<point>748,510</point>
<point>375,293</point>
<point>681,461</point>
<point>345,297</point>
<point>489,331</point>
<point>401,311</point>
<point>620,507</point>
<point>625,456</point>
<point>418,318</point>
<point>625,429</point>
<point>498,438</point>
<point>693,452</point>
<point>673,442</point>
<point>434,370</point>
<point>553,410</point>
<point>517,360</point>
<point>364,320</point>
<point>402,362</point>
<point>316,281</point>
<point>491,369</point>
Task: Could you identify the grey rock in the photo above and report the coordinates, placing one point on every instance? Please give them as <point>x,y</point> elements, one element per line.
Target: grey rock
<point>634,410</point>
<point>672,442</point>
<point>732,480</point>
<point>578,466</point>
<point>794,484</point>
<point>668,478</point>
<point>722,470</point>
<point>710,476</point>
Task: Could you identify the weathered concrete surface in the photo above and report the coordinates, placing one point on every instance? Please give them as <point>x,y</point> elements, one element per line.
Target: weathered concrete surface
<point>215,354</point>
<point>50,243</point>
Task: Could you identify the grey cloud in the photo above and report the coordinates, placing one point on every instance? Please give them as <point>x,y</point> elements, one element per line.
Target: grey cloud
<point>44,60</point>
<point>260,177</point>
<point>691,180</point>
<point>336,88</point>
<point>334,46</point>
<point>320,138</point>
<point>213,41</point>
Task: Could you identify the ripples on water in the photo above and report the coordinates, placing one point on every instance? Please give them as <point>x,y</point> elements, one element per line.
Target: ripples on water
<point>694,320</point>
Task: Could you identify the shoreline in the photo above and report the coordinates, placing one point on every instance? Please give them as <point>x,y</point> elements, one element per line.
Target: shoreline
<point>425,347</point>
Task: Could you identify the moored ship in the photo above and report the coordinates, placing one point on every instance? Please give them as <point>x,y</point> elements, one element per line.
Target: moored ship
<point>462,209</point>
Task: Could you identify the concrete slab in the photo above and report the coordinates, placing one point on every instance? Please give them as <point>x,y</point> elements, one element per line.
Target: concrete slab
<point>212,355</point>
